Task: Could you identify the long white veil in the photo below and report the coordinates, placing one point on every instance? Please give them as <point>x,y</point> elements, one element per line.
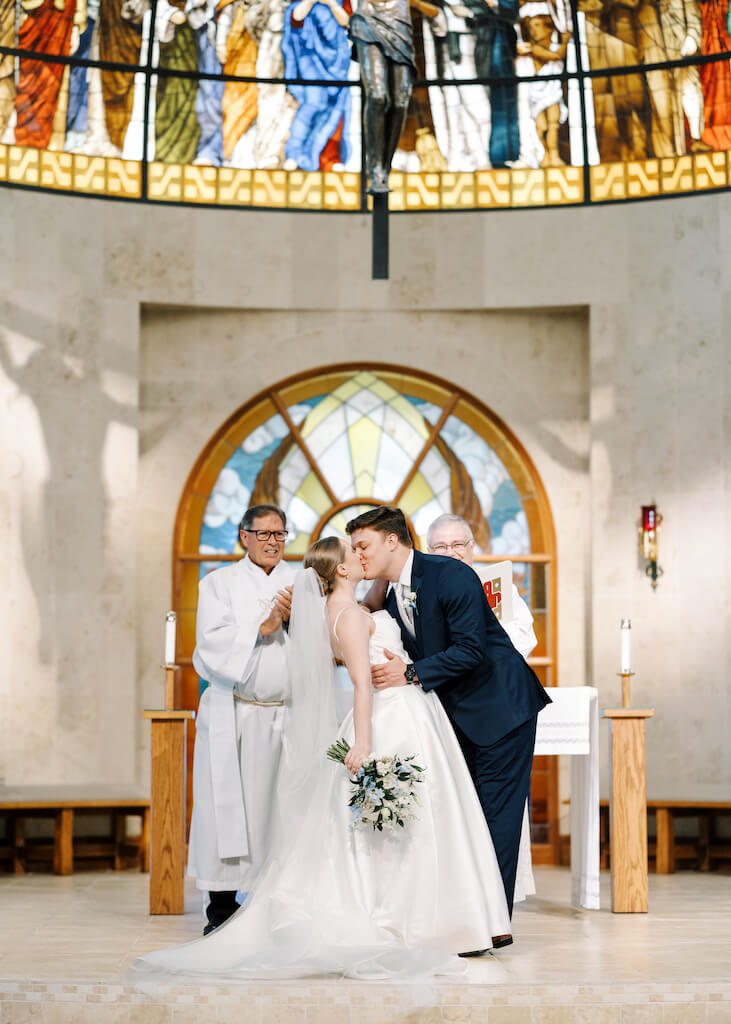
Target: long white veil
<point>311,719</point>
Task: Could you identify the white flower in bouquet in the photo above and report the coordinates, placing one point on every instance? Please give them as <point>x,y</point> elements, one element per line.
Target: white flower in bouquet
<point>385,789</point>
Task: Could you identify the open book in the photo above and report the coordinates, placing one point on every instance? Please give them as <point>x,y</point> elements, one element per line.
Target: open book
<point>497,582</point>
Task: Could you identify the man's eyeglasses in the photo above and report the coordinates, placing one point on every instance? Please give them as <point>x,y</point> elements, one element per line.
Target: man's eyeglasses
<point>278,535</point>
<point>458,546</point>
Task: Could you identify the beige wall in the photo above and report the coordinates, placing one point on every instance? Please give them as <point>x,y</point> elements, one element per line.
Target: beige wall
<point>129,334</point>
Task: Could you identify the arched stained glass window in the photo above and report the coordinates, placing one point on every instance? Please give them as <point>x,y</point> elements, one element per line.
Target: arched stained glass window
<point>367,439</point>
<point>326,446</point>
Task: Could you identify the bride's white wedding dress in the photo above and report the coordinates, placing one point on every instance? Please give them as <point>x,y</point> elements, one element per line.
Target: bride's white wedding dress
<point>359,902</point>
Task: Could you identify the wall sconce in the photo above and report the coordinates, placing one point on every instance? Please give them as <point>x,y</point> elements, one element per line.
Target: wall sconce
<point>651,520</point>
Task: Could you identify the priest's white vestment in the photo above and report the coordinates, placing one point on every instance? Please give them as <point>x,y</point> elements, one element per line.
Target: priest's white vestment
<point>239,724</point>
<point>520,628</point>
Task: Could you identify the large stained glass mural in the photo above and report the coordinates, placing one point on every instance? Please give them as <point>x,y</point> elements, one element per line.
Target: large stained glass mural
<point>258,102</point>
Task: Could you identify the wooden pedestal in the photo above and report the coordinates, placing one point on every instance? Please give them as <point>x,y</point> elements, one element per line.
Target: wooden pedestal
<point>167,826</point>
<point>628,809</point>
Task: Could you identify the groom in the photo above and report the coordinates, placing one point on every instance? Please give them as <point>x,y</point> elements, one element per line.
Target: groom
<point>460,649</point>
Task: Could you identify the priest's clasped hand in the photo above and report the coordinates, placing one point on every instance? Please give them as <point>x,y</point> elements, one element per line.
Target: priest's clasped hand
<point>393,673</point>
<point>281,610</point>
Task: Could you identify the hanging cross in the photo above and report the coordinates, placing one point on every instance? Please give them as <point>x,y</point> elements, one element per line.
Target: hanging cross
<point>379,270</point>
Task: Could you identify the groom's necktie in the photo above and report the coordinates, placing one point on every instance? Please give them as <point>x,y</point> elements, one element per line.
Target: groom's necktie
<point>404,607</point>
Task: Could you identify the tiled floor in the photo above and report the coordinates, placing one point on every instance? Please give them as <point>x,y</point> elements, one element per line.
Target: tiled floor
<point>66,945</point>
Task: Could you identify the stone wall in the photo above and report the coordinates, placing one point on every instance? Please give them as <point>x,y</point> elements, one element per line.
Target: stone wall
<point>129,333</point>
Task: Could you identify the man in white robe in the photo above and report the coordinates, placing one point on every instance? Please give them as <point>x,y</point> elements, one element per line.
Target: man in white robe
<point>241,651</point>
<point>450,535</point>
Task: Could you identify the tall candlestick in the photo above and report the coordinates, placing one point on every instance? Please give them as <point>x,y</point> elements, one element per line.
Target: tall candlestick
<point>170,622</point>
<point>625,635</point>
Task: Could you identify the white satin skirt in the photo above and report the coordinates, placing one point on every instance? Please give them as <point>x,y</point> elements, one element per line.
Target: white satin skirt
<point>363,903</point>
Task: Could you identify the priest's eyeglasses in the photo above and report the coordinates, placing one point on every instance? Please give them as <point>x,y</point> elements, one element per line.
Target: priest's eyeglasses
<point>458,546</point>
<point>278,535</point>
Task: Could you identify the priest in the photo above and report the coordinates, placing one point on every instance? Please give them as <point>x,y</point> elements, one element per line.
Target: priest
<point>241,651</point>
<point>451,535</point>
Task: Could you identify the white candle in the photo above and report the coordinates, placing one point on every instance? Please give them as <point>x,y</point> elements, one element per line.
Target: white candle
<point>625,635</point>
<point>170,619</point>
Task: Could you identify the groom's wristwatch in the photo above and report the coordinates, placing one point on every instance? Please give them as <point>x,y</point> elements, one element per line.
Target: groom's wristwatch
<point>410,674</point>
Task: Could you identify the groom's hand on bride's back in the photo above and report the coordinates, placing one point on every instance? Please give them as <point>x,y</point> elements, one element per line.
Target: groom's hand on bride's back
<point>393,673</point>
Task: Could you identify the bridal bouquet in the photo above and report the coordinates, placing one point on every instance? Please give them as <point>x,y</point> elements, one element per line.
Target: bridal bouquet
<point>385,789</point>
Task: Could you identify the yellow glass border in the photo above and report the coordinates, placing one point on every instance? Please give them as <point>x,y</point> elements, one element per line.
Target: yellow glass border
<point>423,191</point>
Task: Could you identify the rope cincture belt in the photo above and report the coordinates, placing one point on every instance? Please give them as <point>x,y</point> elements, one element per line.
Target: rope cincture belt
<point>260,703</point>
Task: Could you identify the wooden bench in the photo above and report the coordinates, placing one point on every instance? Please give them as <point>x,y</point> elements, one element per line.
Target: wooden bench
<point>701,851</point>
<point>63,804</point>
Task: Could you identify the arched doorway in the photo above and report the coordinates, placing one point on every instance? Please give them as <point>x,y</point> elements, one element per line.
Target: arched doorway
<point>331,442</point>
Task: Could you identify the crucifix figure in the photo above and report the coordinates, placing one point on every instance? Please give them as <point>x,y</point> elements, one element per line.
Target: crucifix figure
<point>383,44</point>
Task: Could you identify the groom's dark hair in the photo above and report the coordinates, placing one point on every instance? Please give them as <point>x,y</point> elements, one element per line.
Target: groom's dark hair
<point>384,519</point>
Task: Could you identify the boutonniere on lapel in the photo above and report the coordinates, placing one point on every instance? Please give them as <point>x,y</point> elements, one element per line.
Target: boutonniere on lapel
<point>410,600</point>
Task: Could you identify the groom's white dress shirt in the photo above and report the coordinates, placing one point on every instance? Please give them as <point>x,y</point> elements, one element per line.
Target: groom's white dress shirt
<point>402,588</point>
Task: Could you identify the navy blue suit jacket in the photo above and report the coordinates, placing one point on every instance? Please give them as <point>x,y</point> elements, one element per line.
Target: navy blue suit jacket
<point>461,651</point>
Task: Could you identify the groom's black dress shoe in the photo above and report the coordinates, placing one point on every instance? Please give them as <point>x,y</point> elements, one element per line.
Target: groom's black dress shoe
<point>498,941</point>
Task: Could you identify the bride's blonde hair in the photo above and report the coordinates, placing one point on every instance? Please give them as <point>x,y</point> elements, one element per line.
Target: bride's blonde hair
<point>324,557</point>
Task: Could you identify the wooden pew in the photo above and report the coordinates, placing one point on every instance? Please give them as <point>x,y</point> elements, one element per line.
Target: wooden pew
<point>19,804</point>
<point>702,850</point>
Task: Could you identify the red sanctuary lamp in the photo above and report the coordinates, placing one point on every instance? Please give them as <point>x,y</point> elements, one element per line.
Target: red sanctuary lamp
<point>651,520</point>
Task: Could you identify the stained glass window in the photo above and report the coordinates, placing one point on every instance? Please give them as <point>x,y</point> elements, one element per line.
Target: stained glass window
<point>332,445</point>
<point>368,441</point>
<point>258,102</point>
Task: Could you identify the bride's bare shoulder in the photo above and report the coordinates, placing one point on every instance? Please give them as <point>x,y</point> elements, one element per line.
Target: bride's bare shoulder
<point>350,616</point>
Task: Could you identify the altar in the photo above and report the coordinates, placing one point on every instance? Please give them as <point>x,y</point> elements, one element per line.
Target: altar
<point>570,725</point>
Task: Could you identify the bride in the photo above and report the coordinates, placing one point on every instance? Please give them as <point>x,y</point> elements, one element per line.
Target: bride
<point>354,901</point>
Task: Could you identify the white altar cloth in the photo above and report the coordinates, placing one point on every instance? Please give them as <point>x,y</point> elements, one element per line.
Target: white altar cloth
<point>570,725</point>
